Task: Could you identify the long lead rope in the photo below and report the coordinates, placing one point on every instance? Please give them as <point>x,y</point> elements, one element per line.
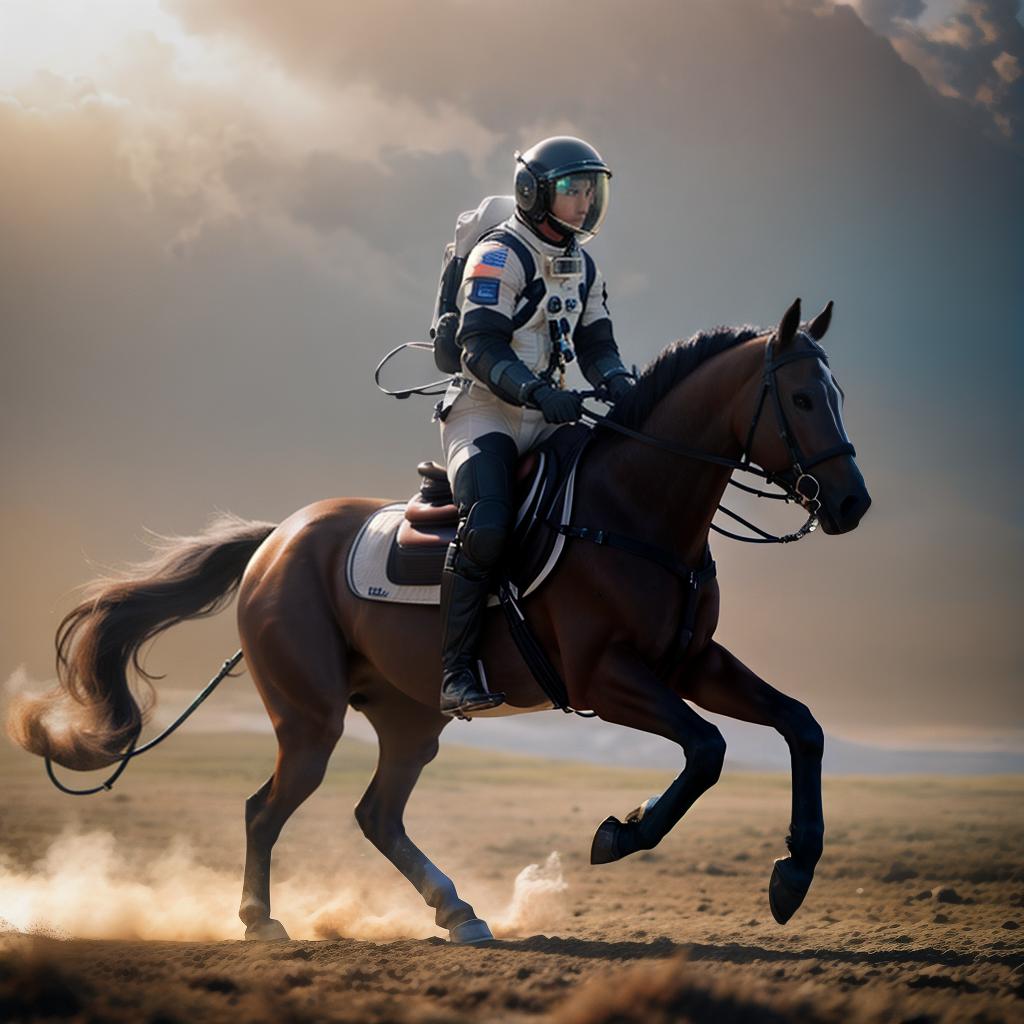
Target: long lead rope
<point>134,751</point>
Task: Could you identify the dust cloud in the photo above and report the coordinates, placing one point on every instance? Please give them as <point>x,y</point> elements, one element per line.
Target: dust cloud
<point>538,900</point>
<point>89,886</point>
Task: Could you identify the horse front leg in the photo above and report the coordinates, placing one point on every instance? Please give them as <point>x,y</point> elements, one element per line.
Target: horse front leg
<point>717,681</point>
<point>625,691</point>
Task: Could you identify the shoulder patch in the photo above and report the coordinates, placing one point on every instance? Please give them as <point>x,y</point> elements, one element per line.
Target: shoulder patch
<point>484,291</point>
<point>508,239</point>
<point>496,257</point>
<point>489,263</point>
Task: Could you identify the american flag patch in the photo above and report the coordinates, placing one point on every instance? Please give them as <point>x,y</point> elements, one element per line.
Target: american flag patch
<point>495,258</point>
<point>483,270</point>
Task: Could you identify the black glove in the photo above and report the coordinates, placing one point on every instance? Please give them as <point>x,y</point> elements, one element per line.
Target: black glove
<point>618,386</point>
<point>557,406</point>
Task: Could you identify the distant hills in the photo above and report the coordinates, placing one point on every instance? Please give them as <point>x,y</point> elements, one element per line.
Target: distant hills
<point>750,746</point>
<point>567,737</point>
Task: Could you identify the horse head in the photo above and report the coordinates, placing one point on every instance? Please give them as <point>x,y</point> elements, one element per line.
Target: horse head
<point>796,431</point>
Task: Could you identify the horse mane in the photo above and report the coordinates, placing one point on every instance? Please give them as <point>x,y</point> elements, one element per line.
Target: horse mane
<point>675,362</point>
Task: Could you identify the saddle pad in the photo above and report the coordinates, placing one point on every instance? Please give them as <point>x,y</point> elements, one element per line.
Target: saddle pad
<point>366,568</point>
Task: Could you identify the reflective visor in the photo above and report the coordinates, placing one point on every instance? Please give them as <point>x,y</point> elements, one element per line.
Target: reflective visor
<point>579,202</point>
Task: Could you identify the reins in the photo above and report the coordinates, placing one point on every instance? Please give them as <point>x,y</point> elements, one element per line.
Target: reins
<point>132,751</point>
<point>687,453</point>
<point>799,466</point>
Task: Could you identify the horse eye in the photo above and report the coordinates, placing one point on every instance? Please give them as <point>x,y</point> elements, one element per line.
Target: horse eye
<point>802,401</point>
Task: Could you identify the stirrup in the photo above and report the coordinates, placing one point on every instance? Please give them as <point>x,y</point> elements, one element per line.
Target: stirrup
<point>469,696</point>
<point>474,705</point>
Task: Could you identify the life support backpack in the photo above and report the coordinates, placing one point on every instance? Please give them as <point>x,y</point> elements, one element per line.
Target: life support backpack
<point>471,226</point>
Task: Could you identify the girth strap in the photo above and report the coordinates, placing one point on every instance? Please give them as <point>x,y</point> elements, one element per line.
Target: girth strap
<point>533,653</point>
<point>641,549</point>
<point>692,579</point>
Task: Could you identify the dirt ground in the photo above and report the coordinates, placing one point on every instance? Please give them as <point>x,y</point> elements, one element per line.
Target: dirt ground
<point>121,907</point>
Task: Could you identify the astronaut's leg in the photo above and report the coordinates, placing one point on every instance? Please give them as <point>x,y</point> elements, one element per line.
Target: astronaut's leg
<point>482,486</point>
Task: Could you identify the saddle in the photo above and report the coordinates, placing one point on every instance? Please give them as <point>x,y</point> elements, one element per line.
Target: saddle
<point>431,519</point>
<point>416,534</point>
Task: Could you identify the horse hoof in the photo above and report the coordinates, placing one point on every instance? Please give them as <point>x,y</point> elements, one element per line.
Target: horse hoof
<point>266,931</point>
<point>470,933</point>
<point>605,847</point>
<point>787,889</point>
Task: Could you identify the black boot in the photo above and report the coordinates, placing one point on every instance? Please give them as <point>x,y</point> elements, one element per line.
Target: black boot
<point>463,600</point>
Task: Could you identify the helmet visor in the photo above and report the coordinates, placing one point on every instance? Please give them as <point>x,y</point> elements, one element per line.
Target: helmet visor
<point>579,202</point>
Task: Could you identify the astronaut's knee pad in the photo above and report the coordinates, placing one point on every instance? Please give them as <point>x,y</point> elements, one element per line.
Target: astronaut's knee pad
<point>482,534</point>
<point>483,493</point>
<point>487,473</point>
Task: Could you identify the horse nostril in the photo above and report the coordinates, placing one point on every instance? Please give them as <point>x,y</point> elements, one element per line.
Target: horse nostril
<point>848,506</point>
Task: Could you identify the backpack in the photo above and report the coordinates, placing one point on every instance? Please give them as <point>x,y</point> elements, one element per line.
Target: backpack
<point>471,226</point>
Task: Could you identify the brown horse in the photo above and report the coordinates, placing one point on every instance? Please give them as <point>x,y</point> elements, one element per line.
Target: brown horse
<point>608,619</point>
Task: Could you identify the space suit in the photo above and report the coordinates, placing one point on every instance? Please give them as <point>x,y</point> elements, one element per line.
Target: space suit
<point>531,300</point>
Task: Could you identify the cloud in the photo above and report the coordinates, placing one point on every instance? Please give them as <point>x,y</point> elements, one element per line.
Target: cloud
<point>209,130</point>
<point>974,55</point>
<point>885,15</point>
<point>387,202</point>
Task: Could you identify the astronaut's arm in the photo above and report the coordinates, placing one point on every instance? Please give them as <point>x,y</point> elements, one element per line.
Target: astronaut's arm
<point>485,338</point>
<point>598,353</point>
<point>594,341</point>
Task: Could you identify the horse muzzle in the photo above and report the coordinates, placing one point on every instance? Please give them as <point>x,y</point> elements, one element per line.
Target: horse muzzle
<point>844,501</point>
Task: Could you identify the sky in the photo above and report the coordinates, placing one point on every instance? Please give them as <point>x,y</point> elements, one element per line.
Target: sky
<point>216,216</point>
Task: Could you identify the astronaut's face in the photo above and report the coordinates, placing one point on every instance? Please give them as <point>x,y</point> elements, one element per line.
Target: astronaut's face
<point>574,195</point>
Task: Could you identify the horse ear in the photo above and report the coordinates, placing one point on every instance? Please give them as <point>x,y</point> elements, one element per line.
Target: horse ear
<point>788,326</point>
<point>819,325</point>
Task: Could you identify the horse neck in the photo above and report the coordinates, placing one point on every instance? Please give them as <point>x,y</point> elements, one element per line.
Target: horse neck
<point>666,498</point>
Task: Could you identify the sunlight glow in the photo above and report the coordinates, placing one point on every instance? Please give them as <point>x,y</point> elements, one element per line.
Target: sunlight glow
<point>90,38</point>
<point>75,38</point>
<point>204,89</point>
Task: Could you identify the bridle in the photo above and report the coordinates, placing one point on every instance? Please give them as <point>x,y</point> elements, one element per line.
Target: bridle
<point>797,482</point>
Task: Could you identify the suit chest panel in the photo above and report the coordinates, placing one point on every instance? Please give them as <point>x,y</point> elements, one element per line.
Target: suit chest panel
<point>562,302</point>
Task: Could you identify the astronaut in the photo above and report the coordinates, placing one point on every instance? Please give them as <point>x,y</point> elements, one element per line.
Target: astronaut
<point>531,300</point>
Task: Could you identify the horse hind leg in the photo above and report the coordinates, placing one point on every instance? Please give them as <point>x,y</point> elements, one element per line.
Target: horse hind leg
<point>301,764</point>
<point>299,669</point>
<point>408,736</point>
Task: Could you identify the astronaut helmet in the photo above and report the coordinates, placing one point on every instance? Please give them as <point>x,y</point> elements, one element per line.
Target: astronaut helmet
<point>561,185</point>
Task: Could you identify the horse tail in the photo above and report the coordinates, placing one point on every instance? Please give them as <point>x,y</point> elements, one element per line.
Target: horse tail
<point>89,718</point>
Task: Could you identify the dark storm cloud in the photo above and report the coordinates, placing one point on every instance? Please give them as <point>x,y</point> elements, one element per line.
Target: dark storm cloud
<point>779,115</point>
<point>883,15</point>
<point>976,54</point>
<point>529,60</point>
